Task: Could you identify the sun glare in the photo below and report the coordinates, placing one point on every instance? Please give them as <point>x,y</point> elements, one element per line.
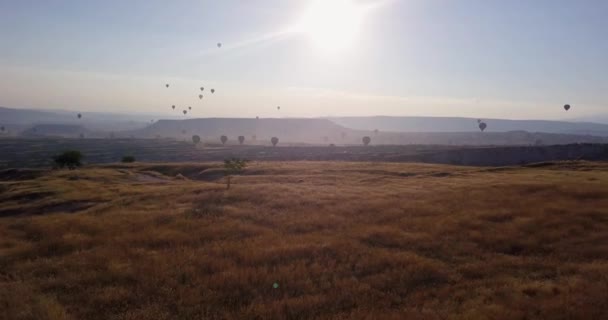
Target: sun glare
<point>332,25</point>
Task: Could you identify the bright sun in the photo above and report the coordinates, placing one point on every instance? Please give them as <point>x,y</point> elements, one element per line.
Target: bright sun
<point>332,25</point>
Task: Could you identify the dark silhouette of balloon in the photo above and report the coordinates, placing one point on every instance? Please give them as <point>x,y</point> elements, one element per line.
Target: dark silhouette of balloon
<point>173,107</point>
<point>200,96</point>
<point>483,126</point>
<point>185,112</point>
<point>241,139</point>
<point>274,141</point>
<point>257,118</point>
<point>189,108</point>
<point>82,136</point>
<point>278,107</point>
<point>2,128</point>
<point>167,85</point>
<point>366,140</point>
<point>202,88</point>
<point>478,120</point>
<point>376,132</point>
<point>196,139</point>
<point>212,90</point>
<point>567,107</point>
<point>79,116</point>
<point>219,44</point>
<point>224,139</point>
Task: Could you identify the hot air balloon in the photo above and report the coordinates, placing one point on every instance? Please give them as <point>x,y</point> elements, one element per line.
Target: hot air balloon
<point>241,139</point>
<point>567,107</point>
<point>189,108</point>
<point>274,141</point>
<point>224,139</point>
<point>196,139</point>
<point>219,44</point>
<point>483,126</point>
<point>478,120</point>
<point>200,96</point>
<point>185,112</point>
<point>278,107</point>
<point>167,85</point>
<point>79,116</point>
<point>2,128</point>
<point>212,90</point>
<point>366,140</point>
<point>173,107</point>
<point>202,88</point>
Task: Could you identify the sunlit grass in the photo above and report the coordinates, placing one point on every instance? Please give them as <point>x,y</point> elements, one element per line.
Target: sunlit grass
<point>341,240</point>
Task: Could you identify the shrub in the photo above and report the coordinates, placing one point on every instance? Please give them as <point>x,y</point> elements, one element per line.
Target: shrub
<point>70,159</point>
<point>128,159</point>
<point>232,167</point>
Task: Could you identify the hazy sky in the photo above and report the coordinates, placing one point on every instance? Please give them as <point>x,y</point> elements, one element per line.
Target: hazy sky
<point>478,58</point>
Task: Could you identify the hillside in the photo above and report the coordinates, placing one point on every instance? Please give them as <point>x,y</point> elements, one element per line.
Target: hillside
<point>56,130</point>
<point>305,240</point>
<point>289,130</point>
<point>453,124</point>
<point>324,132</point>
<point>24,153</point>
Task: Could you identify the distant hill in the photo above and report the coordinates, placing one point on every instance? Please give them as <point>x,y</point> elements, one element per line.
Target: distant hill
<point>21,119</point>
<point>444,124</point>
<point>324,131</point>
<point>292,130</point>
<point>56,130</point>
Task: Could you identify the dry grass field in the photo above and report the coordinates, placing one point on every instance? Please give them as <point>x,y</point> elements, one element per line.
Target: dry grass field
<point>305,240</point>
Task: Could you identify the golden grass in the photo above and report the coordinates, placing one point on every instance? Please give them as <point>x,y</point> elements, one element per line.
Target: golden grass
<point>342,241</point>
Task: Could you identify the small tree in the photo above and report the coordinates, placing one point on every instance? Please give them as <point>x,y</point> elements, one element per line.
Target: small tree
<point>128,159</point>
<point>233,166</point>
<point>274,141</point>
<point>224,139</point>
<point>70,159</point>
<point>196,139</point>
<point>366,140</point>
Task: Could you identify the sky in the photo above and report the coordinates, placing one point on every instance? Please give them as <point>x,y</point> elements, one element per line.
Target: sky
<point>516,59</point>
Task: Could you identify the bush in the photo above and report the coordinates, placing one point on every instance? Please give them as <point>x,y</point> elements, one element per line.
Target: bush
<point>232,167</point>
<point>128,159</point>
<point>70,159</point>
